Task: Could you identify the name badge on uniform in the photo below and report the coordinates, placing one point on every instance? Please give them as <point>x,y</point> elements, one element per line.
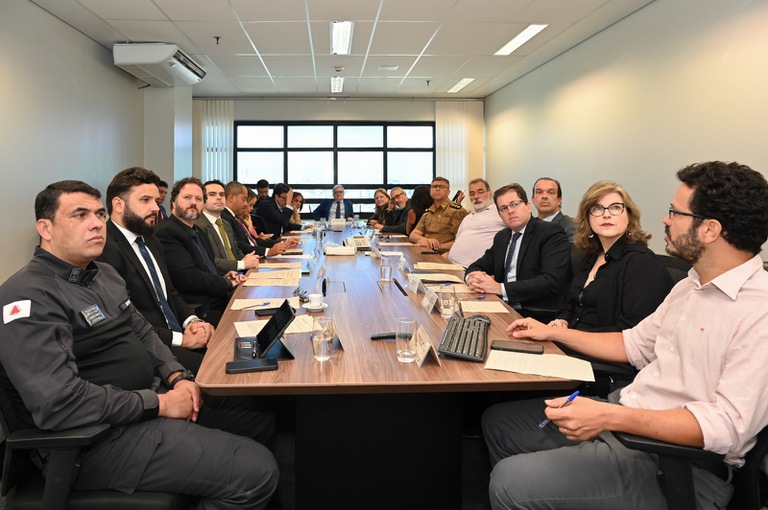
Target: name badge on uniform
<point>92,315</point>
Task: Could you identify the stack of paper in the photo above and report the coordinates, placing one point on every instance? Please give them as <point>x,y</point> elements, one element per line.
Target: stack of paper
<point>551,365</point>
<point>340,250</point>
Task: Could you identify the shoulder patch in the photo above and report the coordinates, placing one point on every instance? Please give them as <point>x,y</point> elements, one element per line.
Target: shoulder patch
<point>16,310</point>
<point>455,206</point>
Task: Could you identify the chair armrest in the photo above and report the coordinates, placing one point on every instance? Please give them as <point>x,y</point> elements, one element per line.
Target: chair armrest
<point>646,444</point>
<point>28,439</point>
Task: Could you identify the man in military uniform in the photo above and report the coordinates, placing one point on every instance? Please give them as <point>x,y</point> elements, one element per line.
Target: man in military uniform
<point>437,228</point>
<point>75,351</point>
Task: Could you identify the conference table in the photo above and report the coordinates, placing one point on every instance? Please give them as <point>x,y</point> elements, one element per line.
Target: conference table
<point>371,432</point>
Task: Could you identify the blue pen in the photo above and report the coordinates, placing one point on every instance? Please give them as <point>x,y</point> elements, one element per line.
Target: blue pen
<point>570,399</point>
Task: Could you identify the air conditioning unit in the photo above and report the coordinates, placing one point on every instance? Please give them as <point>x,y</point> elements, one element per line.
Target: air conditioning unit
<point>157,64</point>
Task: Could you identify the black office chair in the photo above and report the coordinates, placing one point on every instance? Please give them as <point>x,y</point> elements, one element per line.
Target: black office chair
<point>677,268</point>
<point>25,488</point>
<point>749,482</point>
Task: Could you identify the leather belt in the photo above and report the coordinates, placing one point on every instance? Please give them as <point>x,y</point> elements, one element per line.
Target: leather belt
<point>717,467</point>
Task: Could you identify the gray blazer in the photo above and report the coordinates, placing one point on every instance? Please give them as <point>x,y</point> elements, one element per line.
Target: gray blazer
<point>566,222</point>
<point>220,259</point>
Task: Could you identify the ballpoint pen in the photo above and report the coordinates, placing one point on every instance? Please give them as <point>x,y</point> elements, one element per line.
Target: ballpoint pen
<point>570,399</point>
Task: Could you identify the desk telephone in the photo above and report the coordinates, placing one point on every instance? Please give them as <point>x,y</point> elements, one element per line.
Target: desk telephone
<point>362,243</point>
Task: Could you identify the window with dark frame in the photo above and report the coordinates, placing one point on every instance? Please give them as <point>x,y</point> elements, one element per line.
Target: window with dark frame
<point>312,157</point>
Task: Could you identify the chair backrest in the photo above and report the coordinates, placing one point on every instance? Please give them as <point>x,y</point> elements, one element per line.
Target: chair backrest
<point>749,482</point>
<point>577,255</point>
<point>677,268</point>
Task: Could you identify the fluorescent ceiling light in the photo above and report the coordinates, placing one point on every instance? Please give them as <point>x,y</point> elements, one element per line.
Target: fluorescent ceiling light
<point>463,83</point>
<point>337,84</point>
<point>341,37</point>
<point>388,68</point>
<point>521,38</point>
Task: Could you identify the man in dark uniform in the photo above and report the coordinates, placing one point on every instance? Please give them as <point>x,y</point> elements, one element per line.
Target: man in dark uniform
<point>75,351</point>
<point>438,226</point>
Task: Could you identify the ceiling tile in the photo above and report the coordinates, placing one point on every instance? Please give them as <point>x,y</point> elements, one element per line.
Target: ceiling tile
<point>397,38</point>
<point>137,10</point>
<point>196,10</point>
<point>282,37</point>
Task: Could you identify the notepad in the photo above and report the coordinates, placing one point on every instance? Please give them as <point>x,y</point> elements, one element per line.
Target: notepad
<point>474,306</point>
<point>437,266</point>
<point>300,324</point>
<point>269,282</point>
<point>340,250</point>
<point>550,365</point>
<point>279,265</point>
<point>263,303</point>
<point>437,277</point>
<point>279,274</point>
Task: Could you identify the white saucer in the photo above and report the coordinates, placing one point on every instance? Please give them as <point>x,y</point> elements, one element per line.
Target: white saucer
<point>315,308</point>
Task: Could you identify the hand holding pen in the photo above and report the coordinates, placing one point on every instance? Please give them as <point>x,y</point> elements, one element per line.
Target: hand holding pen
<point>567,402</point>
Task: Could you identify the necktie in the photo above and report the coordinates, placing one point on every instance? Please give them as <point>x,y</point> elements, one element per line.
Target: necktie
<point>173,324</point>
<point>203,252</point>
<point>225,238</point>
<point>338,210</point>
<point>244,228</point>
<point>511,252</point>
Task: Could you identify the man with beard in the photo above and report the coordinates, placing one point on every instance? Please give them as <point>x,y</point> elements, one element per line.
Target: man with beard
<point>396,214</point>
<point>477,229</point>
<point>188,254</point>
<point>132,249</point>
<point>702,379</point>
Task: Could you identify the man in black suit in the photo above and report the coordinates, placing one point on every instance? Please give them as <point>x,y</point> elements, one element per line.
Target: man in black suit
<point>529,261</point>
<point>236,204</point>
<point>548,199</point>
<point>276,211</point>
<point>188,254</point>
<point>132,249</point>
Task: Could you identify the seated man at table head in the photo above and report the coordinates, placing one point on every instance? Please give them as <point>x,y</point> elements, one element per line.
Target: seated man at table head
<point>396,213</point>
<point>162,188</point>
<point>75,351</point>
<point>262,188</point>
<point>548,199</point>
<point>277,211</point>
<point>528,263</point>
<point>476,231</point>
<point>701,355</point>
<point>236,208</point>
<point>437,228</point>
<point>334,208</point>
<point>227,255</point>
<point>189,254</point>
<point>132,249</point>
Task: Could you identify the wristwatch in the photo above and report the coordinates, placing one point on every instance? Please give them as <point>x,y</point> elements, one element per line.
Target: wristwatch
<point>185,375</point>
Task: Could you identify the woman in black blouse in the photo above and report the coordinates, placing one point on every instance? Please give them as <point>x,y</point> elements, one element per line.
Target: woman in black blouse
<point>620,281</point>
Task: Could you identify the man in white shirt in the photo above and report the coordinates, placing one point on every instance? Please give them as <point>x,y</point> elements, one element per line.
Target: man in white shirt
<point>477,229</point>
<point>702,379</point>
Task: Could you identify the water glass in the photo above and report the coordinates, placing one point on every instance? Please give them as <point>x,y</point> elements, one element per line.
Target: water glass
<point>447,301</point>
<point>404,339</point>
<point>323,331</point>
<point>386,269</point>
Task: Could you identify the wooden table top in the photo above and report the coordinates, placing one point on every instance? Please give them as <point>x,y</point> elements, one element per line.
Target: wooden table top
<point>361,306</point>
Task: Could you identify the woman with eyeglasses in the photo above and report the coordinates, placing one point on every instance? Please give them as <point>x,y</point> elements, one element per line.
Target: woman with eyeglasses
<point>620,280</point>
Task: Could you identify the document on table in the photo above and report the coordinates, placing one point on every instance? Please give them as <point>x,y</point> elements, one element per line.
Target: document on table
<point>437,277</point>
<point>280,274</point>
<point>395,243</point>
<point>302,256</point>
<point>551,365</point>
<point>456,288</point>
<point>474,306</point>
<point>279,265</point>
<point>269,282</point>
<point>300,324</point>
<point>263,303</point>
<point>391,253</point>
<point>437,266</point>
<point>340,250</point>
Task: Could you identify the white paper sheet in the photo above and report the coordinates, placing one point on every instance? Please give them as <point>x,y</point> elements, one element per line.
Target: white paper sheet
<point>552,365</point>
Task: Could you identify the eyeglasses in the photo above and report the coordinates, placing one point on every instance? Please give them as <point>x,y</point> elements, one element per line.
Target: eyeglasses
<point>512,205</point>
<point>439,186</point>
<point>673,212</point>
<point>615,209</point>
<point>395,197</point>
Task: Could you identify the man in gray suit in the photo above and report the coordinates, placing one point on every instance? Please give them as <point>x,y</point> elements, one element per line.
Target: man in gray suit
<point>548,199</point>
<point>227,256</point>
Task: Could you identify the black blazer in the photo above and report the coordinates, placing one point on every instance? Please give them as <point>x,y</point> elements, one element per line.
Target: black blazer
<point>543,264</point>
<point>242,238</point>
<point>220,259</point>
<point>275,220</point>
<point>119,254</point>
<point>197,286</point>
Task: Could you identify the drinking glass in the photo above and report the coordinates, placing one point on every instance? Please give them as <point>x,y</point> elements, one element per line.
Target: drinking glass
<point>323,331</point>
<point>404,341</point>
<point>386,269</point>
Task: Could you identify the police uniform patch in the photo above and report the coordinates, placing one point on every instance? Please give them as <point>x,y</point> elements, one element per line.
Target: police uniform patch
<point>92,315</point>
<point>16,310</point>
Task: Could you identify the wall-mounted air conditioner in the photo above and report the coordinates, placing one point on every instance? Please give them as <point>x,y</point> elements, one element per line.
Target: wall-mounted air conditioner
<point>157,64</point>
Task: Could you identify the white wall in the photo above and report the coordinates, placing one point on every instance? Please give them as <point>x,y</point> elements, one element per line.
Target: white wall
<point>65,113</point>
<point>326,110</point>
<point>675,83</point>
